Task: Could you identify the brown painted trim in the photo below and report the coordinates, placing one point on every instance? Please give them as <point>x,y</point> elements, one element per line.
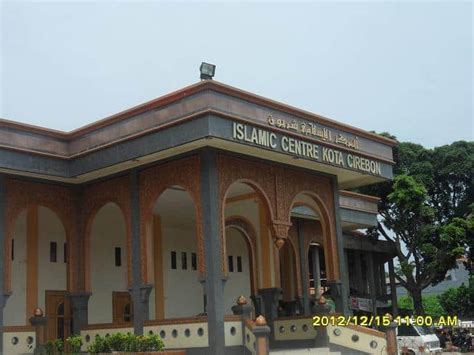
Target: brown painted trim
<point>366,330</point>
<point>359,196</point>
<point>32,244</point>
<point>158,268</point>
<point>374,211</point>
<point>187,91</point>
<point>242,197</point>
<point>18,328</point>
<point>232,318</point>
<point>250,324</point>
<point>190,117</point>
<point>264,245</point>
<point>103,326</point>
<point>175,321</point>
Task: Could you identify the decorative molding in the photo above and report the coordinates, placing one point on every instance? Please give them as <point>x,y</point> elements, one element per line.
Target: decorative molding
<point>59,199</point>
<point>153,182</point>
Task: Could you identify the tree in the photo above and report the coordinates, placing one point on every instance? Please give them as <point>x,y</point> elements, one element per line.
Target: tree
<point>459,301</point>
<point>425,211</point>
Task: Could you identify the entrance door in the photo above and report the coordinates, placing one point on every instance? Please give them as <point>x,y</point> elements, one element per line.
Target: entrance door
<point>122,307</point>
<point>58,311</point>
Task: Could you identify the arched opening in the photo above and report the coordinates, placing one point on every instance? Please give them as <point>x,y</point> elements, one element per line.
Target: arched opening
<point>311,238</point>
<point>239,266</point>
<point>248,244</point>
<point>39,265</point>
<point>108,265</point>
<point>173,255</point>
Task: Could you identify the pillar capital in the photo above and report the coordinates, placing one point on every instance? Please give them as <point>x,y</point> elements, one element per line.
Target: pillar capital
<point>280,229</point>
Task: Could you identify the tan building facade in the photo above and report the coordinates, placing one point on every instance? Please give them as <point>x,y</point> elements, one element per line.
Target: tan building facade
<point>158,218</point>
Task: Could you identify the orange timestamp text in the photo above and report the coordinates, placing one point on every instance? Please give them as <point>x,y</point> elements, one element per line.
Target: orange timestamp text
<point>385,320</point>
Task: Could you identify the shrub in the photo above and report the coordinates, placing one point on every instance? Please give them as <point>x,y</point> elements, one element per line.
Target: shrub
<point>75,343</point>
<point>126,343</point>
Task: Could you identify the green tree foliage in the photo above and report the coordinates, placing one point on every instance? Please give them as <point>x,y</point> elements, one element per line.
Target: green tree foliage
<point>427,212</point>
<point>433,306</point>
<point>459,301</point>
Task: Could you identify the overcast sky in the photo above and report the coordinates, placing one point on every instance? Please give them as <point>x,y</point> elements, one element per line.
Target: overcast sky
<point>402,67</point>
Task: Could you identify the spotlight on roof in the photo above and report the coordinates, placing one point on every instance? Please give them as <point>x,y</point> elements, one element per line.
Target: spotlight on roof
<point>207,71</point>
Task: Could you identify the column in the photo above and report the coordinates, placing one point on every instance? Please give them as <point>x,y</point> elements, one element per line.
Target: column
<point>303,267</point>
<point>80,310</point>
<point>140,292</point>
<point>211,224</point>
<point>393,288</point>
<point>372,285</point>
<point>339,291</point>
<point>3,227</point>
<point>358,269</point>
<point>79,297</point>
<point>316,269</point>
<point>383,284</point>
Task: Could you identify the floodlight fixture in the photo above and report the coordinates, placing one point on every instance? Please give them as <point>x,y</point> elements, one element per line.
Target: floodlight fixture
<point>207,71</point>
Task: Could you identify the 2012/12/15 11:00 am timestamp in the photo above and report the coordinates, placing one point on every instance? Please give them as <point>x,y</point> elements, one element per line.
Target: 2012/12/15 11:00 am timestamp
<point>385,320</point>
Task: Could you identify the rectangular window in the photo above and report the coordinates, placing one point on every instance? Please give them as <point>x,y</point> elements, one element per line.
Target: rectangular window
<point>194,261</point>
<point>65,253</point>
<point>13,249</point>
<point>53,252</point>
<point>173,260</point>
<point>184,260</point>
<point>239,264</point>
<point>118,256</point>
<point>231,263</point>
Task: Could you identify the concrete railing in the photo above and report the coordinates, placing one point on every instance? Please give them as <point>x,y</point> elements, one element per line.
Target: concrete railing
<point>19,340</point>
<point>294,328</point>
<point>359,338</point>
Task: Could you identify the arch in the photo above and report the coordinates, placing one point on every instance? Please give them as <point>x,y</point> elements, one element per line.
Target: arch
<point>89,220</point>
<point>15,208</point>
<point>244,226</point>
<point>153,182</point>
<point>148,216</point>
<point>108,242</point>
<point>328,232</point>
<point>263,198</point>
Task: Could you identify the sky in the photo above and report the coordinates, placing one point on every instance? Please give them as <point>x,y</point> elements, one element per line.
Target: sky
<point>400,67</point>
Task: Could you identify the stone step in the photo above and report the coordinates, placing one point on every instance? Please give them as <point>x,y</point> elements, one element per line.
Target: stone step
<point>322,351</point>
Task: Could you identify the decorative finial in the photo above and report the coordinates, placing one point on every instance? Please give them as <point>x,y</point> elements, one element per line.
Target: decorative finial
<point>389,316</point>
<point>38,312</point>
<point>322,300</point>
<point>260,321</point>
<point>279,242</point>
<point>241,300</point>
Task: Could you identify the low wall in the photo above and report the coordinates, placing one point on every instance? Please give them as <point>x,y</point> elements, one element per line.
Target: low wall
<point>18,340</point>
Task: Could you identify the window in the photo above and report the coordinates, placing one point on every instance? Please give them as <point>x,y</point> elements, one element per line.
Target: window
<point>239,264</point>
<point>65,253</point>
<point>53,252</point>
<point>118,256</point>
<point>231,263</point>
<point>184,260</point>
<point>13,249</point>
<point>194,261</point>
<point>173,260</point>
<point>406,330</point>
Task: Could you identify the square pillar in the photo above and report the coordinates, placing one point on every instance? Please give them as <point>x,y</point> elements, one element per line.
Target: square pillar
<point>213,281</point>
<point>140,293</point>
<point>372,284</point>
<point>80,309</point>
<point>303,267</point>
<point>339,288</point>
<point>3,227</point>
<point>393,288</point>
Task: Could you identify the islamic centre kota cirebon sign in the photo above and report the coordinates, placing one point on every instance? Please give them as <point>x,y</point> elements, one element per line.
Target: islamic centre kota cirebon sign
<point>308,150</point>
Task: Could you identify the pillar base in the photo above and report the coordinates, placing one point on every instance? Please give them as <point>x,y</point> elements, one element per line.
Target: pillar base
<point>80,310</point>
